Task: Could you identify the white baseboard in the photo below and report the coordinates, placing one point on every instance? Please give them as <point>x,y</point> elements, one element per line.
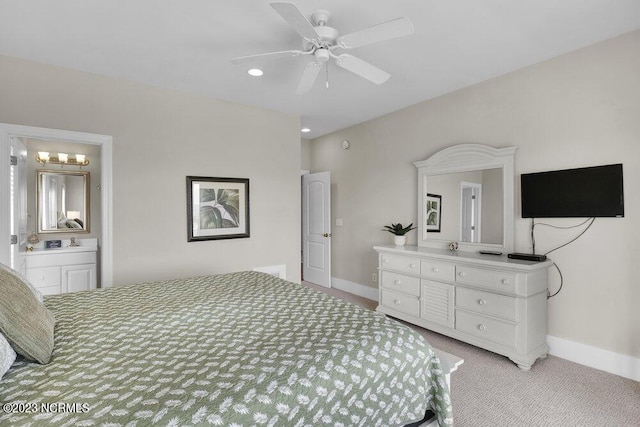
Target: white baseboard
<point>594,357</point>
<point>274,270</point>
<point>355,288</point>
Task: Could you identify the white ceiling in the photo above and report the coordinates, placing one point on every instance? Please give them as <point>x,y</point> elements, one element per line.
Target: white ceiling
<point>187,45</point>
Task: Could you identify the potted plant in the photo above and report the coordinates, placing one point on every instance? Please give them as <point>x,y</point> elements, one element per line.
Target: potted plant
<point>398,231</point>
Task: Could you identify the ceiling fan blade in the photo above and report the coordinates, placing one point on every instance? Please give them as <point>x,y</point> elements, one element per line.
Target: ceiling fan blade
<point>398,27</point>
<point>269,55</point>
<point>362,68</point>
<point>296,19</point>
<point>309,76</point>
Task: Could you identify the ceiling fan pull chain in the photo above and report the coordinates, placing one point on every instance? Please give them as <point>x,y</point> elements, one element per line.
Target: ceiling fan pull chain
<point>327,76</point>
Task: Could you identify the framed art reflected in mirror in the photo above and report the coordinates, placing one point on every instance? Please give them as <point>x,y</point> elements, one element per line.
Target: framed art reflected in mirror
<point>432,212</point>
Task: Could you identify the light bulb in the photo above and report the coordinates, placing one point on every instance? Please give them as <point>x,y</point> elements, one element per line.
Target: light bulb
<point>43,156</point>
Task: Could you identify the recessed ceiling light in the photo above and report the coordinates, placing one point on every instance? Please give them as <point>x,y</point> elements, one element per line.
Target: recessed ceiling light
<point>255,72</point>
<point>305,130</point>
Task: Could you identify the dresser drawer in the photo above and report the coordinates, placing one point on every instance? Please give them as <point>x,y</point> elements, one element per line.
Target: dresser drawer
<point>401,302</point>
<point>401,283</point>
<point>400,263</point>
<point>486,303</point>
<point>438,270</point>
<point>492,279</point>
<point>487,328</point>
<point>44,276</point>
<point>50,259</point>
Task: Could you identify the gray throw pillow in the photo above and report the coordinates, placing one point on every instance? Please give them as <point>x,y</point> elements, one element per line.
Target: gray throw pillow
<point>24,321</point>
<point>7,355</point>
<point>36,292</point>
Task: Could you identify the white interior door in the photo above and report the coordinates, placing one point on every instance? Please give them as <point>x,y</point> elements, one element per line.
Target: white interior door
<point>470,212</point>
<point>18,196</point>
<point>316,228</point>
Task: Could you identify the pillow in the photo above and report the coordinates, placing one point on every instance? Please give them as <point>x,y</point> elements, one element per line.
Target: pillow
<point>36,292</point>
<point>24,321</point>
<point>7,356</point>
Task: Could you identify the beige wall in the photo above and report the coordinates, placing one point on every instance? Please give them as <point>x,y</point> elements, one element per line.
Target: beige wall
<point>576,110</point>
<point>159,137</point>
<point>492,207</point>
<point>305,155</point>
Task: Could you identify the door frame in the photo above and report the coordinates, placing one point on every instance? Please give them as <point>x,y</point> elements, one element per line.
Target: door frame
<point>477,211</point>
<point>18,213</point>
<point>106,158</point>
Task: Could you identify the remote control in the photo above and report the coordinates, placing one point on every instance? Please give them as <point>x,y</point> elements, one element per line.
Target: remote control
<point>483,252</point>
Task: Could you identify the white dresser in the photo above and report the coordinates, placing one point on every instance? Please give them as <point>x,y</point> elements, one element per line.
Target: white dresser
<point>489,301</point>
<point>62,270</point>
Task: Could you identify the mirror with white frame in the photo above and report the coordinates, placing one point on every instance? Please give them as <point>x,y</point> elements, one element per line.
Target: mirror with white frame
<point>466,195</point>
<point>63,201</point>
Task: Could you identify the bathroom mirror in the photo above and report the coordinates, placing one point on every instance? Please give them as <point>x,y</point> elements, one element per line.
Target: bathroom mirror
<point>466,195</point>
<point>63,201</point>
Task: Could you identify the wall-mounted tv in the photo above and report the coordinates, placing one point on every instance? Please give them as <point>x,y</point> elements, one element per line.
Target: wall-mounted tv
<point>584,192</point>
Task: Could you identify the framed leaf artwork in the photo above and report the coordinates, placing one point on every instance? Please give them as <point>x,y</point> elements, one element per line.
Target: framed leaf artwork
<point>217,208</point>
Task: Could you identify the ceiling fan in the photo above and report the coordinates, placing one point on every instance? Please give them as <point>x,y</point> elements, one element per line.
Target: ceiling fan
<point>320,41</point>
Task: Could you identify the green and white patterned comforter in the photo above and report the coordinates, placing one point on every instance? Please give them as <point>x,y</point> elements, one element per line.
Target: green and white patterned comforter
<point>241,349</point>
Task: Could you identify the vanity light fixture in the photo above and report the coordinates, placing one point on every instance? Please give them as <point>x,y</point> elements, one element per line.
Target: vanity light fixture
<point>62,159</point>
<point>42,157</point>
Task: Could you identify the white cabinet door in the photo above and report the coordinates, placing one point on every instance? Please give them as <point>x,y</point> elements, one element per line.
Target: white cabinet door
<point>437,302</point>
<point>78,278</point>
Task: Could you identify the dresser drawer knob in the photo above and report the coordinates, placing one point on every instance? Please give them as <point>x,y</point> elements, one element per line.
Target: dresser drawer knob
<point>397,282</point>
<point>504,281</point>
<point>412,266</point>
<point>435,269</point>
<point>385,260</point>
<point>462,274</point>
<point>482,327</point>
<point>396,301</point>
<point>481,302</point>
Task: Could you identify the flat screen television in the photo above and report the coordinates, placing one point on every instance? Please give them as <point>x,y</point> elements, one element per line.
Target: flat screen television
<point>584,192</point>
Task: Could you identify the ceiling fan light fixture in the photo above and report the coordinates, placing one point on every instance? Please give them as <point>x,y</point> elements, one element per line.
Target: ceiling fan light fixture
<point>322,55</point>
<point>255,72</point>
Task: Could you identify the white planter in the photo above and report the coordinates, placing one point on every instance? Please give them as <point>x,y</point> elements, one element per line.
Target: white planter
<point>399,240</point>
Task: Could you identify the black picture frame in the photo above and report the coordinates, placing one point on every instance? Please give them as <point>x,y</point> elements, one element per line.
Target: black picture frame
<point>217,208</point>
<point>432,212</point>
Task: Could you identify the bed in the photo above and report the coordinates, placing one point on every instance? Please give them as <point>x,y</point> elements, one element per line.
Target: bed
<point>236,349</point>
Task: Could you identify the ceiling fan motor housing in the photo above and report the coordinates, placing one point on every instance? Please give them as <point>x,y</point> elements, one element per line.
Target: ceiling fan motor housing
<point>327,35</point>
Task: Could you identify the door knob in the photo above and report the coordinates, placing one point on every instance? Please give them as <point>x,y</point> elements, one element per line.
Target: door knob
<point>327,234</point>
